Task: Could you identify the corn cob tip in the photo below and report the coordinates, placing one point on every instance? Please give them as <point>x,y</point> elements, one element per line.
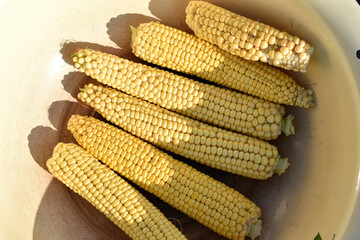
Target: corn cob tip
<point>75,52</point>
<point>254,230</point>
<point>81,58</point>
<point>72,119</point>
<point>83,90</point>
<point>286,125</point>
<point>51,161</point>
<point>280,166</point>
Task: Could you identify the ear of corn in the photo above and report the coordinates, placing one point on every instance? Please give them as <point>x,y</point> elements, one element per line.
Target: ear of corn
<point>215,105</point>
<point>110,194</point>
<point>247,38</point>
<point>184,52</point>
<point>209,145</point>
<point>201,197</point>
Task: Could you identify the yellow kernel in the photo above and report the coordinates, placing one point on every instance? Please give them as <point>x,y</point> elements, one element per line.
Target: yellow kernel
<point>220,39</point>
<point>276,62</point>
<point>272,54</point>
<point>284,50</point>
<point>263,45</point>
<point>248,46</point>
<point>244,28</point>
<point>278,55</point>
<point>272,40</point>
<point>290,45</point>
<point>280,35</point>
<point>302,56</point>
<point>302,43</point>
<point>88,65</point>
<point>266,127</point>
<point>244,36</point>
<point>257,42</point>
<point>283,43</point>
<point>259,53</point>
<point>274,127</point>
<point>252,51</point>
<point>270,118</point>
<point>87,59</point>
<point>299,49</point>
<point>263,58</point>
<point>231,39</point>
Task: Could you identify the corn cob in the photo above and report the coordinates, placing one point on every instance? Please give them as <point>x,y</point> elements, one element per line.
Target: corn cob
<point>214,105</point>
<point>110,194</point>
<point>184,52</point>
<point>247,38</point>
<point>207,144</point>
<point>201,197</point>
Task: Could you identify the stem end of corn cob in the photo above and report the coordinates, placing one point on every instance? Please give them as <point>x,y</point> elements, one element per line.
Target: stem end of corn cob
<point>286,125</point>
<point>311,98</point>
<point>280,166</point>
<point>305,98</point>
<point>254,230</point>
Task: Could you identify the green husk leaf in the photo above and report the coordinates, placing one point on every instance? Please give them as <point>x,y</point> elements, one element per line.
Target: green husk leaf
<point>318,237</point>
<point>286,125</point>
<point>134,31</point>
<point>280,166</point>
<point>254,230</point>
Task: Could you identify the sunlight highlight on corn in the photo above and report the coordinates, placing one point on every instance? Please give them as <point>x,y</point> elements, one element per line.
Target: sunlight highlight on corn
<point>201,142</point>
<point>201,197</point>
<point>247,38</point>
<point>110,194</point>
<point>184,52</point>
<point>208,103</point>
